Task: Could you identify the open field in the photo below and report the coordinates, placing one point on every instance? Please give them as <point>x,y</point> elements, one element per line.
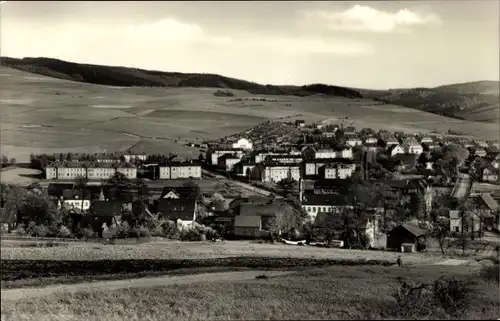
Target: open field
<point>337,292</point>
<point>51,115</point>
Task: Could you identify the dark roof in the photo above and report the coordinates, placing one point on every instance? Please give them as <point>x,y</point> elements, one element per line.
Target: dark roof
<point>312,199</point>
<point>332,183</point>
<point>270,209</point>
<point>489,201</point>
<point>181,164</point>
<point>247,221</point>
<point>106,208</point>
<point>75,194</point>
<point>492,155</point>
<point>227,156</point>
<point>174,209</point>
<point>336,221</point>
<point>412,228</point>
<point>56,189</point>
<point>406,159</point>
<point>183,192</point>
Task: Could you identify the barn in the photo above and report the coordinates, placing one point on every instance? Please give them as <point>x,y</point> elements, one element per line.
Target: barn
<point>407,237</point>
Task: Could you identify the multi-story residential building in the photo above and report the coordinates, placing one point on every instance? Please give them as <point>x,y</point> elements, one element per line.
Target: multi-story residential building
<point>213,154</point>
<point>311,168</point>
<point>243,143</point>
<point>276,172</point>
<point>180,170</point>
<point>108,158</point>
<point>97,171</point>
<point>259,158</point>
<point>332,153</point>
<point>370,139</point>
<point>337,170</point>
<point>129,157</point>
<point>414,147</point>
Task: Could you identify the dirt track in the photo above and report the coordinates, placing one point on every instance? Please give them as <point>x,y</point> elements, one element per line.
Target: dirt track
<point>17,294</point>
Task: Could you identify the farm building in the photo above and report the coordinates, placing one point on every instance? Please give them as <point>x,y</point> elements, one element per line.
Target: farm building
<point>407,237</point>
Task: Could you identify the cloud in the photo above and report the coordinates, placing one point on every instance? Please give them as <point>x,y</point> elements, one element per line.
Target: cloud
<point>367,19</point>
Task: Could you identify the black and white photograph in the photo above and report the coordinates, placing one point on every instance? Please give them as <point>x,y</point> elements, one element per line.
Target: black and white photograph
<point>249,160</point>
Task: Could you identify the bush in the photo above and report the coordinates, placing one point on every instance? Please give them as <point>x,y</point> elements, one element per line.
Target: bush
<point>40,230</point>
<point>87,232</point>
<point>192,235</point>
<point>139,232</point>
<point>171,231</point>
<point>63,231</point>
<point>449,297</point>
<point>20,231</point>
<point>491,273</point>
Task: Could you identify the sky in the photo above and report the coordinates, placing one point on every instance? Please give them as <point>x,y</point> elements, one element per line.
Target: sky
<point>373,45</point>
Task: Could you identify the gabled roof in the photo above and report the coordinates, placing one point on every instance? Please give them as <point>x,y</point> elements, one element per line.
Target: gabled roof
<point>247,221</point>
<point>73,194</point>
<point>406,159</point>
<point>312,199</point>
<point>269,209</point>
<point>106,208</point>
<point>174,209</point>
<point>412,228</point>
<point>183,192</point>
<point>489,201</point>
<point>56,189</point>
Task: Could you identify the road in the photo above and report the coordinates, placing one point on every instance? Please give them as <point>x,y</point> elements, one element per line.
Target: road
<point>242,185</point>
<point>17,294</point>
<point>462,187</point>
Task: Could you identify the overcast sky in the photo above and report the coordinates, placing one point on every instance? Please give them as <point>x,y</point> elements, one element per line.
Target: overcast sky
<point>359,44</point>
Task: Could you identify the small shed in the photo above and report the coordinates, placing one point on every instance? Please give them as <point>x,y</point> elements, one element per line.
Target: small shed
<point>247,226</point>
<point>405,237</point>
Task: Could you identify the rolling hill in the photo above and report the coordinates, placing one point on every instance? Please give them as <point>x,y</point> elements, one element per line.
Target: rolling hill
<point>473,101</point>
<point>128,77</point>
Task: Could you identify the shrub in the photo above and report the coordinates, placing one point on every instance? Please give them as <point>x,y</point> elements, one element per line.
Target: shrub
<point>63,231</point>
<point>20,231</point>
<point>452,295</point>
<point>86,232</point>
<point>123,230</point>
<point>171,231</point>
<point>40,230</point>
<point>192,235</point>
<point>139,232</point>
<point>491,273</point>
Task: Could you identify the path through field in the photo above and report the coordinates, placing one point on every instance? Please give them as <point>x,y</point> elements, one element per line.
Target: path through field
<point>17,294</point>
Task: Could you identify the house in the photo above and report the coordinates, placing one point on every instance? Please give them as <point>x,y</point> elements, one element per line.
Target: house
<point>72,198</point>
<point>354,141</point>
<point>56,189</point>
<point>493,156</point>
<point>262,156</point>
<point>247,226</point>
<point>405,161</point>
<point>179,193</point>
<point>314,203</point>
<point>350,129</point>
<point>243,143</point>
<point>407,237</point>
<point>214,154</point>
<point>414,147</point>
<point>244,169</point>
<point>481,152</point>
<point>481,143</point>
<point>182,211</point>
<point>318,126</point>
<point>368,225</point>
<point>386,140</point>
<point>472,224</point>
<point>131,157</point>
<point>180,170</point>
<point>8,218</point>
<point>345,152</point>
<point>393,150</point>
<point>102,214</point>
<point>490,174</point>
<point>276,172</point>
<point>339,168</point>
<point>370,139</point>
<point>485,208</point>
<point>227,162</point>
<point>127,169</point>
<point>300,123</point>
<point>426,140</point>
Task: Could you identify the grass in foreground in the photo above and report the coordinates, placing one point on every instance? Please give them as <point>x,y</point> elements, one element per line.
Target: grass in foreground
<point>321,293</point>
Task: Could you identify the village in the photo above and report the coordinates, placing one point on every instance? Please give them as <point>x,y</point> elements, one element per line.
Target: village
<point>304,184</point>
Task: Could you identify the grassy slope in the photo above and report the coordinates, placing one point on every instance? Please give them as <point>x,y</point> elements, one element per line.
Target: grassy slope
<point>122,76</point>
<point>322,293</point>
<point>476,101</point>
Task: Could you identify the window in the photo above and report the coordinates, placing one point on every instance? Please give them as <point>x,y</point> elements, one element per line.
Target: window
<point>457,229</point>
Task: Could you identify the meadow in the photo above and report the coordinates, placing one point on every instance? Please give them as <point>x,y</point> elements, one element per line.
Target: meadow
<point>42,114</point>
<point>335,292</point>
